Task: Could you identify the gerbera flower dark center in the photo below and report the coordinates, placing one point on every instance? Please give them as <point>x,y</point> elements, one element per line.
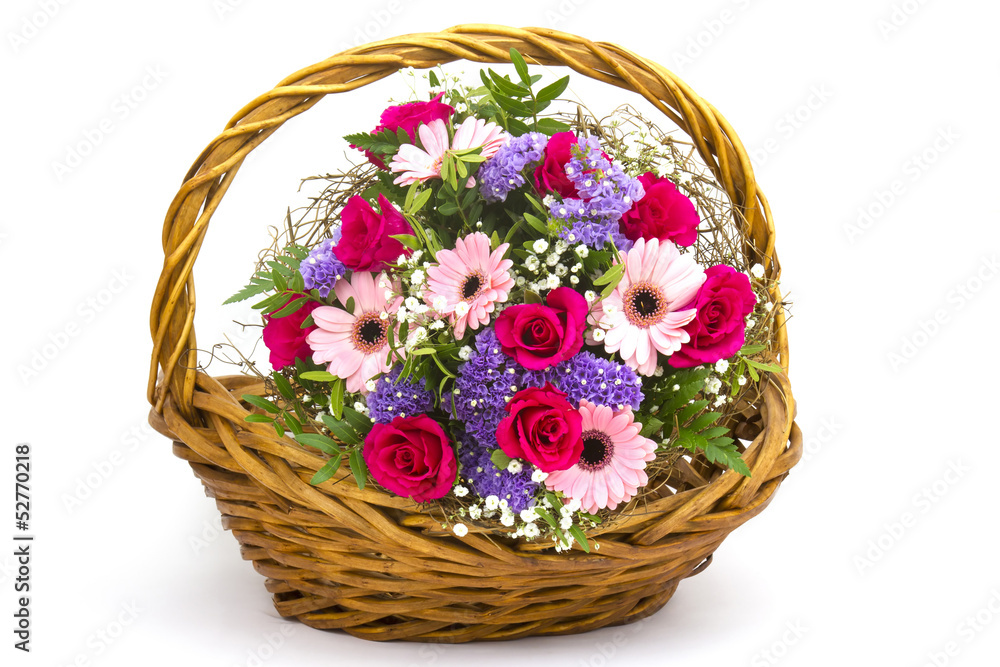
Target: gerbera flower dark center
<point>473,286</point>
<point>644,304</point>
<point>597,450</point>
<point>369,333</point>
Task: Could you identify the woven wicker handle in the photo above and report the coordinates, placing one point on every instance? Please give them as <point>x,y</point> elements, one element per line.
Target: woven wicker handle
<point>172,314</point>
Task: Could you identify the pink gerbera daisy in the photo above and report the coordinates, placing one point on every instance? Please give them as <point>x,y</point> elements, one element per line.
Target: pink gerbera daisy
<point>468,281</point>
<point>647,311</point>
<point>421,164</point>
<point>612,466</point>
<point>355,344</point>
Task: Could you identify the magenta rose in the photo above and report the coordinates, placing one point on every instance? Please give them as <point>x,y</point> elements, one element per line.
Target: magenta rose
<point>719,327</point>
<point>409,117</point>
<point>538,336</point>
<point>285,338</point>
<point>365,241</point>
<point>542,428</point>
<point>411,457</point>
<point>664,213</point>
<point>550,175</point>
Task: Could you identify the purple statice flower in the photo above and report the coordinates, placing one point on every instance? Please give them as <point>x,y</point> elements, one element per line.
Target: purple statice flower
<point>587,376</point>
<point>606,194</point>
<point>321,269</point>
<point>393,397</point>
<point>483,383</point>
<point>503,172</point>
<point>486,480</point>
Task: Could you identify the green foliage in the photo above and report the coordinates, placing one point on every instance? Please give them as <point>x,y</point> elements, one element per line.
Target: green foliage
<point>283,268</point>
<point>515,101</point>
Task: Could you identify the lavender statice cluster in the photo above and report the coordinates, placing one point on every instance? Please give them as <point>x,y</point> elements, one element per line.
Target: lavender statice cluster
<point>393,397</point>
<point>587,376</point>
<point>486,480</point>
<point>606,194</point>
<point>321,269</point>
<point>484,383</point>
<point>502,173</point>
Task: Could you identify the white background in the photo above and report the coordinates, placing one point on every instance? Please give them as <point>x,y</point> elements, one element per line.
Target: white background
<point>872,553</point>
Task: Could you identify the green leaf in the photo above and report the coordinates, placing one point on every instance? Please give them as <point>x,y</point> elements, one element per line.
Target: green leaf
<point>258,419</point>
<point>337,398</point>
<point>283,385</point>
<point>612,275</point>
<point>748,350</point>
<point>410,194</point>
<point>551,126</point>
<point>704,421</point>
<point>520,66</point>
<point>318,376</point>
<point>278,428</point>
<point>690,410</point>
<point>542,512</point>
<point>341,430</point>
<point>508,87</point>
<point>359,468</point>
<point>432,79</point>
<point>536,223</point>
<point>513,106</point>
<point>553,90</point>
<point>409,240</point>
<point>532,297</point>
<point>261,403</point>
<point>292,307</point>
<point>320,442</point>
<point>652,426</point>
<point>581,539</point>
<point>774,368</point>
<point>250,291</point>
<point>500,459</point>
<point>420,201</point>
<point>328,470</point>
<point>358,421</point>
<point>517,128</point>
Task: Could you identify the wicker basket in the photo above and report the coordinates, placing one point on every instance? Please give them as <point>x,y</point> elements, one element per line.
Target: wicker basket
<point>375,565</point>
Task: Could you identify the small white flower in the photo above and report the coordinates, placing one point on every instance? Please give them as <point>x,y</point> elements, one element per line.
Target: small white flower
<point>757,271</point>
<point>461,530</point>
<point>540,246</point>
<point>504,504</point>
<point>574,280</point>
<point>565,511</point>
<point>401,259</point>
<point>552,259</point>
<point>574,505</point>
<point>597,335</point>
<point>561,270</point>
<point>719,400</point>
<point>566,523</point>
<point>492,503</point>
<point>561,246</point>
<point>384,315</point>
<point>370,385</point>
<point>460,491</point>
<point>389,295</point>
<point>751,322</point>
<point>582,250</point>
<point>440,303</point>
<point>360,407</point>
<point>741,380</point>
<point>552,281</point>
<point>507,519</point>
<point>768,306</point>
<point>464,353</point>
<point>548,201</point>
<point>529,515</point>
<point>514,467</point>
<point>713,385</point>
<point>721,366</point>
<point>539,476</point>
<point>461,308</point>
<point>436,324</point>
<point>416,255</point>
<point>411,303</point>
<point>531,531</point>
<point>658,371</point>
<point>576,267</point>
<point>520,281</point>
<point>676,387</point>
<point>590,295</point>
<point>475,511</point>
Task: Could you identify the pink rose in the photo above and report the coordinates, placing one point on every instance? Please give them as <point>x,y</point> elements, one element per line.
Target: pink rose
<point>538,336</point>
<point>719,327</point>
<point>411,457</point>
<point>550,175</point>
<point>408,117</point>
<point>365,241</point>
<point>663,213</point>
<point>542,428</point>
<point>285,338</point>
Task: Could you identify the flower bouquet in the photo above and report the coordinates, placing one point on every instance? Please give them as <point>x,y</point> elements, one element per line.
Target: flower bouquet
<point>507,317</point>
<point>524,360</point>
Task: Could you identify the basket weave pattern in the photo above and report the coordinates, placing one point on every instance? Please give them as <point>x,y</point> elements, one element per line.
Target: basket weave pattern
<point>378,566</point>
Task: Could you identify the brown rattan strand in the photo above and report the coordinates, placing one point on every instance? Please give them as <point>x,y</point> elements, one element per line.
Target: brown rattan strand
<point>381,567</point>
